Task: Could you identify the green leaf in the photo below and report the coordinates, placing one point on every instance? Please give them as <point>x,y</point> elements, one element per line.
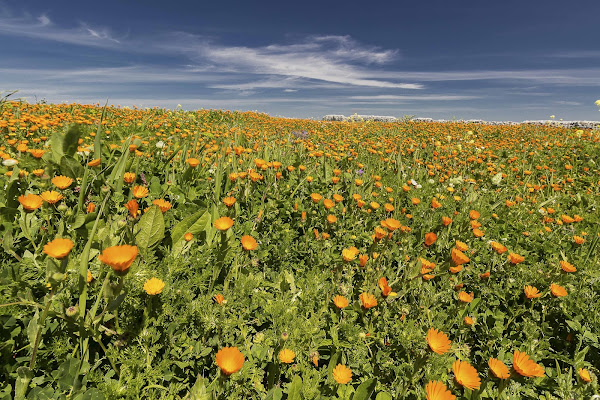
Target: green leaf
<point>295,389</point>
<point>70,167</point>
<point>200,391</point>
<point>383,396</point>
<point>24,375</point>
<point>365,389</point>
<point>193,224</point>
<point>150,230</point>
<point>32,328</point>
<point>71,140</point>
<point>333,361</point>
<point>56,146</point>
<point>274,394</point>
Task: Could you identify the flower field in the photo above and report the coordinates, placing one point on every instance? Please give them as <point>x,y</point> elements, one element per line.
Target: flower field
<point>226,255</point>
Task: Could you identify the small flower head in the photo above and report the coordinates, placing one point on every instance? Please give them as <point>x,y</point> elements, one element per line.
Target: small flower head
<point>59,248</point>
<point>230,360</point>
<point>342,374</point>
<point>154,286</point>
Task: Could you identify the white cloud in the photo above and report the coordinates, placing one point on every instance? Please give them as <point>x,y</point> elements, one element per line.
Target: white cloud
<point>43,28</point>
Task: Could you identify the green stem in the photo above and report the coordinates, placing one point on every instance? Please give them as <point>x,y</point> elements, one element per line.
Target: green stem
<point>39,332</point>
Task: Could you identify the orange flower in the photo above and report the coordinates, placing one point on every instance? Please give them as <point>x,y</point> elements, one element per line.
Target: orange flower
<point>383,285</point>
<point>133,207</point>
<point>350,253</point>
<point>328,203</point>
<point>363,258</point>
<point>368,300</point>
<point>58,248</point>
<point>498,248</point>
<point>557,290</point>
<point>446,221</point>
<point>230,360</point>
<point>286,356</point>
<point>468,321</point>
<point>30,202</point>
<point>515,258</point>
<point>162,204</point>
<point>91,208</point>
<point>525,366</point>
<point>498,368</point>
<point>229,201</point>
<point>188,236</point>
<point>466,375</point>
<point>474,214</point>
<point>52,197</point>
<point>438,391</point>
<point>193,162</point>
<point>316,197</point>
<point>584,374</point>
<point>458,257</point>
<point>531,292</point>
<point>119,258</point>
<point>219,298</point>
<point>465,297</point>
<point>94,163</point>
<point>579,239</point>
<point>391,224</point>
<point>485,275</point>
<point>223,224</point>
<point>139,192</point>
<point>435,203</point>
<point>379,233</point>
<point>342,374</point>
<point>478,232</point>
<point>332,219</point>
<point>62,182</point>
<point>567,267</point>
<point>340,301</point>
<point>462,246</point>
<point>438,341</point>
<point>249,243</point>
<point>430,238</point>
<point>38,172</point>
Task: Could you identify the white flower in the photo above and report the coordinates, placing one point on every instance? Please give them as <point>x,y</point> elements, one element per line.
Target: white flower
<point>9,162</point>
<point>413,182</point>
<point>160,145</point>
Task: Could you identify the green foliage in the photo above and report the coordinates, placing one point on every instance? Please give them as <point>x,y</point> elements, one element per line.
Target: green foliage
<point>112,335</point>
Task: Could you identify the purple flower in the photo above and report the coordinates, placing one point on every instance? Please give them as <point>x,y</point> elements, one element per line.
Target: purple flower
<point>360,172</point>
<point>143,178</point>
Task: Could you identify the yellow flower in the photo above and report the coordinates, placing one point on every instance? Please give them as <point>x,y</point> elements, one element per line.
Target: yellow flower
<point>51,197</point>
<point>139,192</point>
<point>286,356</point>
<point>154,286</point>
<point>162,204</point>
<point>62,182</point>
<point>350,253</point>
<point>342,374</point>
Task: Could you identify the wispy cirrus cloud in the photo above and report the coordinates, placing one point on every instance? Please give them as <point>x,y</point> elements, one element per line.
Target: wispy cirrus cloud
<point>42,27</point>
<point>333,59</point>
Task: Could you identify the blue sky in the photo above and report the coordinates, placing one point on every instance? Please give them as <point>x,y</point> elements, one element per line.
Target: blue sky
<point>509,60</point>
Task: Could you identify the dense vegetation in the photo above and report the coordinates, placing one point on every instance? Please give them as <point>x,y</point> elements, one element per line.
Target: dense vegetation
<point>217,254</point>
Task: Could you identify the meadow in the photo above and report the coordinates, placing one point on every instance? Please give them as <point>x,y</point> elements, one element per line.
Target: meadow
<point>149,253</point>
